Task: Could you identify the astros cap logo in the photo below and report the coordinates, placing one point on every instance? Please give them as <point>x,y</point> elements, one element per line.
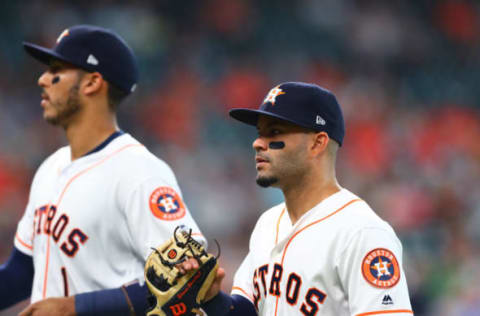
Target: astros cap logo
<point>64,33</point>
<point>166,204</point>
<point>271,97</point>
<point>380,268</point>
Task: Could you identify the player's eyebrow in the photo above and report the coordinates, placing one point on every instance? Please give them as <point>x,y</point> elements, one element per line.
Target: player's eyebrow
<point>58,64</point>
<point>287,126</point>
<point>274,123</point>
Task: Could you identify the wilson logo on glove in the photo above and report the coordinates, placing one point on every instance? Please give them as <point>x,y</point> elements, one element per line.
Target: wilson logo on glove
<point>172,254</point>
<point>171,292</point>
<point>178,309</point>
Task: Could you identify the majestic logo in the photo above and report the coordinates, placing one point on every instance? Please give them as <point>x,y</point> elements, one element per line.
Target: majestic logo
<point>166,204</point>
<point>380,268</point>
<point>62,35</point>
<point>387,300</point>
<point>271,97</point>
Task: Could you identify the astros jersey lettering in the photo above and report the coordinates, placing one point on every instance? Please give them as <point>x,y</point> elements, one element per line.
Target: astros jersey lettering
<point>89,224</point>
<point>339,258</point>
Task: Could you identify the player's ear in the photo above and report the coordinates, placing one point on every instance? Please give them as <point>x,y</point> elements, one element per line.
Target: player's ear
<point>92,83</point>
<point>319,143</point>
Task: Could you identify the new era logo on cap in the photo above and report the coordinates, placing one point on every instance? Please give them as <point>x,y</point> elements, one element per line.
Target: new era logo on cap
<point>320,121</point>
<point>92,60</point>
<point>304,104</point>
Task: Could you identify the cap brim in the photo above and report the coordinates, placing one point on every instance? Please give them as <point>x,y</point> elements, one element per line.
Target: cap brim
<point>42,54</point>
<point>250,117</point>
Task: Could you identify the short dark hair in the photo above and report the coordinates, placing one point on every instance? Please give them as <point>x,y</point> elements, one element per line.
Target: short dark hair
<point>115,96</point>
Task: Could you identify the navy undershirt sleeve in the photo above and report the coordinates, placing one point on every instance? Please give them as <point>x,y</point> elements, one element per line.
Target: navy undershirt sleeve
<point>226,305</point>
<point>138,297</point>
<point>16,279</point>
<point>112,302</point>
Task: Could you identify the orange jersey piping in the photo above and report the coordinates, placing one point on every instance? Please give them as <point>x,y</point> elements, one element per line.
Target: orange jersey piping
<point>45,279</point>
<point>386,312</point>
<point>23,243</point>
<point>243,291</point>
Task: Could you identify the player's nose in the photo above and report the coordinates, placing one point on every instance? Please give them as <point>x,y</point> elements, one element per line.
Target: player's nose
<point>43,79</point>
<point>259,144</point>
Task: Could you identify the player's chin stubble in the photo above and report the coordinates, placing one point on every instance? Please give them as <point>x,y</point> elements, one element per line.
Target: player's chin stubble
<point>66,111</point>
<point>265,182</point>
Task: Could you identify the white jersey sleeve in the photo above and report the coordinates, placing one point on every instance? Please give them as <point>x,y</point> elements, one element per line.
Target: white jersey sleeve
<point>242,284</point>
<point>370,269</point>
<point>24,237</point>
<point>245,282</point>
<point>242,281</point>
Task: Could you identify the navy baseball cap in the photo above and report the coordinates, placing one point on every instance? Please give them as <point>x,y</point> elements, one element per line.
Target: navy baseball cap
<point>304,104</point>
<point>93,48</point>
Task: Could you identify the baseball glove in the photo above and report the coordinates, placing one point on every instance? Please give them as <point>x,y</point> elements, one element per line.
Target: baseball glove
<point>173,293</point>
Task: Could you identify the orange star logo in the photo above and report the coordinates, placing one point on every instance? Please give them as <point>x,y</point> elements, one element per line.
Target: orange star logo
<point>64,33</point>
<point>271,97</point>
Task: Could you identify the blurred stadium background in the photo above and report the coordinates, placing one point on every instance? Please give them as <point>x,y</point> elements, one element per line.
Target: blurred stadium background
<point>405,72</point>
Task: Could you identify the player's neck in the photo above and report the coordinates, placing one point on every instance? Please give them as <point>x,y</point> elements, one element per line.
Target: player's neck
<point>304,195</point>
<point>84,135</point>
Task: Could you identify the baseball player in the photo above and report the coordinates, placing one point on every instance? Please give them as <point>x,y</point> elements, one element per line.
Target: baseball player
<point>323,251</point>
<point>96,206</point>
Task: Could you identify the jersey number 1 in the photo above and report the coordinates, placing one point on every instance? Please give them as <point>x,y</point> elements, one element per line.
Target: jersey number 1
<point>65,281</point>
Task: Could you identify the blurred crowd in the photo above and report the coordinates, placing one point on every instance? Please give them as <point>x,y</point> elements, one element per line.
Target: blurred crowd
<point>405,72</point>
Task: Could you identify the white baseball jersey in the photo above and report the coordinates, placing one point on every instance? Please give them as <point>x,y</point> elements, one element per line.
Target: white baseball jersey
<point>339,258</point>
<point>89,223</point>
